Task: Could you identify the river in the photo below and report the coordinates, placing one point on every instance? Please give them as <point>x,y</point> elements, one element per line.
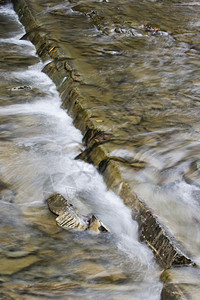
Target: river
<point>38,144</point>
<point>137,64</point>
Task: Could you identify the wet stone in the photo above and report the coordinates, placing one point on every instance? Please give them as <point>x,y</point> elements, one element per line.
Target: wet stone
<point>181,283</point>
<point>193,174</point>
<point>70,218</point>
<point>9,266</point>
<point>41,219</point>
<point>181,275</point>
<point>19,61</point>
<point>7,194</point>
<point>16,254</point>
<point>42,290</point>
<point>91,270</point>
<point>135,120</point>
<point>14,291</point>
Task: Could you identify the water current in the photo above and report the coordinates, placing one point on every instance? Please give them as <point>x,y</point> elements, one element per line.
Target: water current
<point>38,144</point>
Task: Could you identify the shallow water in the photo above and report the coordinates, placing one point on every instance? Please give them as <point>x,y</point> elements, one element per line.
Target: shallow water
<point>38,144</point>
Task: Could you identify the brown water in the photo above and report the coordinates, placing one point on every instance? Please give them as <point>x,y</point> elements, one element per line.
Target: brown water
<point>38,260</point>
<point>145,84</point>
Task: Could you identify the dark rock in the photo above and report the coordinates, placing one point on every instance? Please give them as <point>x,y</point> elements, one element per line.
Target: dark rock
<point>4,1</point>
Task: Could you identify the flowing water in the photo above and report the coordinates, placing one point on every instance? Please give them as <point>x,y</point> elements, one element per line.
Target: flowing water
<point>38,144</point>
<point>139,64</point>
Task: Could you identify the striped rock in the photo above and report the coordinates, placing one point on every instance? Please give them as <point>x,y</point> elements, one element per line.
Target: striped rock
<point>69,218</point>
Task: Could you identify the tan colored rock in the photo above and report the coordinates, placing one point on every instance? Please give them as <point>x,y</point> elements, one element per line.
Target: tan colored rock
<point>70,218</point>
<point>42,219</point>
<point>134,120</point>
<point>9,266</point>
<point>91,270</point>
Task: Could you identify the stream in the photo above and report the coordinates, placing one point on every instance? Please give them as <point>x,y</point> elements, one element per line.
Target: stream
<point>39,260</point>
<point>137,64</point>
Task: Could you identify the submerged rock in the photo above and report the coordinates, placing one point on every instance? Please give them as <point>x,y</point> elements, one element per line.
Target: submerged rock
<point>193,174</point>
<point>9,266</point>
<point>181,283</point>
<point>70,218</point>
